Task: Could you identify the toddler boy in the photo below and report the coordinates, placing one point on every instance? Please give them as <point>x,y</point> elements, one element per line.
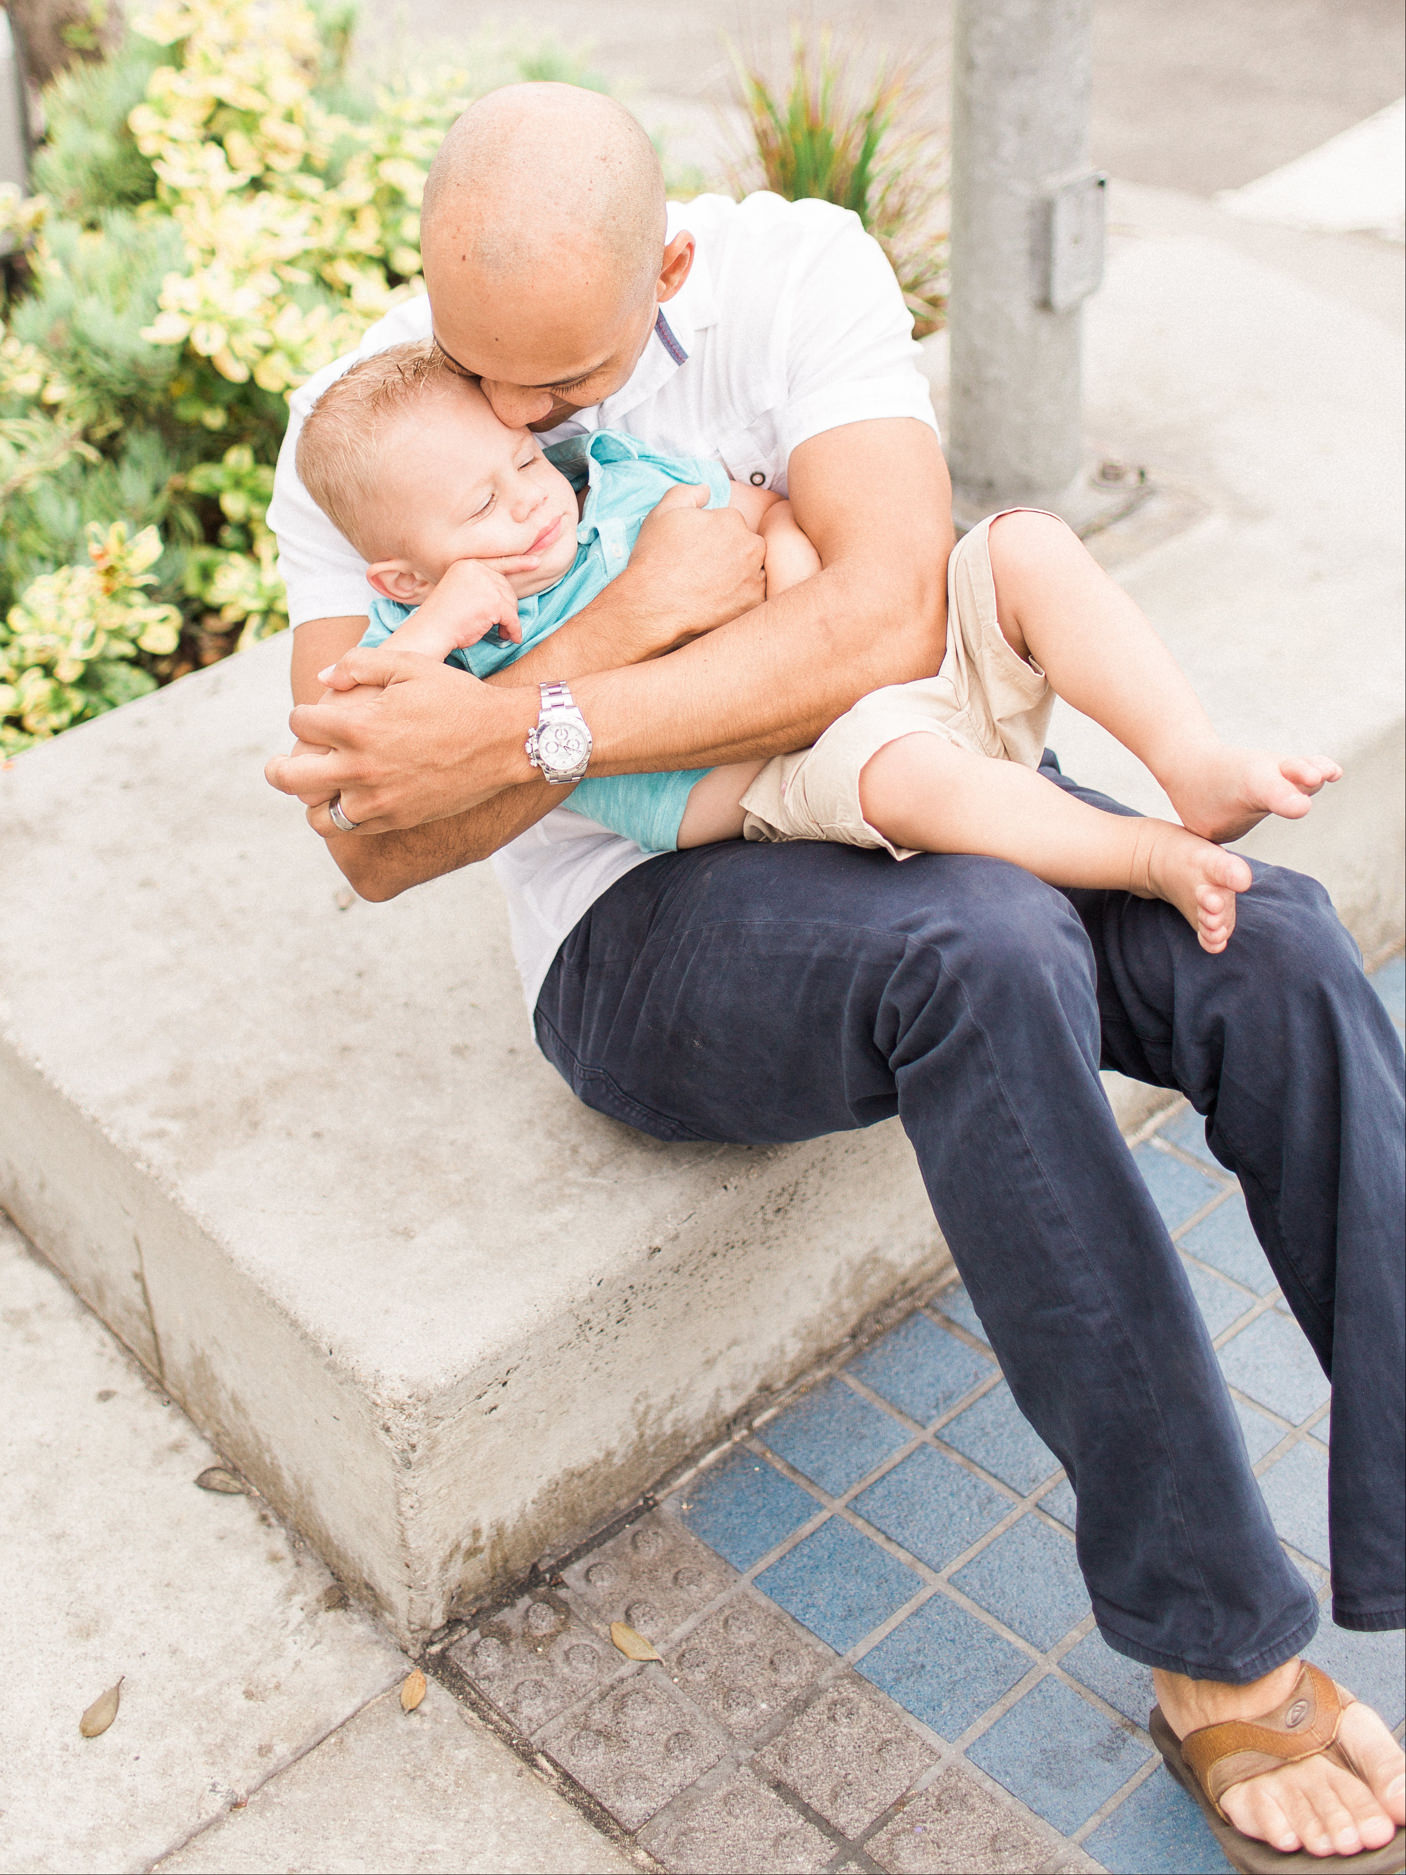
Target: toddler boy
<point>480,544</point>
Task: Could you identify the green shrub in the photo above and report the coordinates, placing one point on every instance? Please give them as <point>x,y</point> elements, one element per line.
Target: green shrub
<point>71,647</point>
<point>89,160</point>
<point>221,210</point>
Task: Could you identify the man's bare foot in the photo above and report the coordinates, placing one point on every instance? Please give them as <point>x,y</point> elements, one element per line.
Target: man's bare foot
<point>1221,792</point>
<point>1313,1804</point>
<point>1199,878</point>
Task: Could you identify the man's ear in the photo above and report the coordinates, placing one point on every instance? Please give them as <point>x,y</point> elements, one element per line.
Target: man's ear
<point>398,580</point>
<point>676,266</point>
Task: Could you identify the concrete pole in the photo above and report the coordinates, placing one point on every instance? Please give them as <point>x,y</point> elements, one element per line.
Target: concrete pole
<point>1027,249</point>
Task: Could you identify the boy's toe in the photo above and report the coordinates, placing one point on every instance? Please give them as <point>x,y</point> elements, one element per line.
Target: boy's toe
<point>1229,870</point>
<point>1309,773</point>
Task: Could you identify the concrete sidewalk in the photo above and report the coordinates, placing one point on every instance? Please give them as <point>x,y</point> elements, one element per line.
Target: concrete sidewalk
<point>244,1668</point>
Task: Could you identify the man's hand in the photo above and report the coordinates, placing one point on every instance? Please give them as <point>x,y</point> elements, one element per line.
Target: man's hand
<point>409,740</point>
<point>693,568</point>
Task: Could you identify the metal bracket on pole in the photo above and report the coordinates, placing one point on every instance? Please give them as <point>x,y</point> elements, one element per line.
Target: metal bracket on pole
<point>1070,232</point>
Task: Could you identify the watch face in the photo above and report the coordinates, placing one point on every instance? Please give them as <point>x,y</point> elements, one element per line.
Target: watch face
<point>562,745</point>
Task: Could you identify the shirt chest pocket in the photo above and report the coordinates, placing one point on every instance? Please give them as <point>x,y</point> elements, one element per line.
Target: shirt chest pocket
<point>751,455</point>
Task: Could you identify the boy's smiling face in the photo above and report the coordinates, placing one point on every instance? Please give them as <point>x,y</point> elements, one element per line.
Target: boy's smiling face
<point>456,484</point>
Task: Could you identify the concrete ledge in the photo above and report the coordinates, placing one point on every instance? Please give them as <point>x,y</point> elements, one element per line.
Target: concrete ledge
<point>301,1154</point>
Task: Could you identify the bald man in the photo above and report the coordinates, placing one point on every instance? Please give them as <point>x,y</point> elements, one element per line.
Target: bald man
<point>760,993</point>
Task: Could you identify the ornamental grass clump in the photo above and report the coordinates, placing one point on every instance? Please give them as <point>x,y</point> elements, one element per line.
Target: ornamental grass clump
<point>823,133</point>
<point>219,211</point>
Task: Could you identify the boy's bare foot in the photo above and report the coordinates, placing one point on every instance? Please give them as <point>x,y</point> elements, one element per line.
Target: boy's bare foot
<point>1313,1804</point>
<point>1200,879</point>
<point>1221,792</point>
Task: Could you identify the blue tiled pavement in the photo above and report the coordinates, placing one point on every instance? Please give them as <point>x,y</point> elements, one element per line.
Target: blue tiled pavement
<point>747,1508</point>
<point>1029,1579</point>
<point>1157,1831</point>
<point>1059,1755</point>
<point>834,1436</point>
<point>839,1583</point>
<point>996,1434</point>
<point>933,1506</point>
<point>943,1566</point>
<point>920,1369</point>
<point>944,1666</point>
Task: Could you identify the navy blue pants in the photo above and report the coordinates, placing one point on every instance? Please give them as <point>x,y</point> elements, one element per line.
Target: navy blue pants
<point>759,993</point>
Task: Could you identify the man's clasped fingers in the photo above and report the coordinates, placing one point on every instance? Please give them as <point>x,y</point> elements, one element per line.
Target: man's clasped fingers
<point>411,740</point>
<point>312,779</point>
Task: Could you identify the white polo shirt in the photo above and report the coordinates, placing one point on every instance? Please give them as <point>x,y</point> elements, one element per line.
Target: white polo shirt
<point>790,323</point>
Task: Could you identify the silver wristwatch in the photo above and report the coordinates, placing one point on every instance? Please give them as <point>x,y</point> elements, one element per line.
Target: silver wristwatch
<point>560,745</point>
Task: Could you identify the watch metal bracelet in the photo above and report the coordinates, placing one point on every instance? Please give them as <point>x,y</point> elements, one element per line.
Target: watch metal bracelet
<point>559,723</point>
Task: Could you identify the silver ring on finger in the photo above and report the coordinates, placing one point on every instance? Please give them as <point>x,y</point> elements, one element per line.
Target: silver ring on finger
<point>339,819</point>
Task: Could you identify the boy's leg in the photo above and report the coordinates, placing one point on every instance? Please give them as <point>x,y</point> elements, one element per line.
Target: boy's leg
<point>926,792</point>
<point>1059,608</point>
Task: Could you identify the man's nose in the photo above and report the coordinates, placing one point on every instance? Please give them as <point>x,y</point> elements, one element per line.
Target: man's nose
<point>516,405</point>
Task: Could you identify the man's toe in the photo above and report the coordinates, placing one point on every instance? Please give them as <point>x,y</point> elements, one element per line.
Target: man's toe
<point>1376,1755</point>
<point>1258,1811</point>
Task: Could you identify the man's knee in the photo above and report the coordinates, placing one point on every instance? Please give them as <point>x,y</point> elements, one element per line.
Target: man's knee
<point>1005,935</point>
<point>1287,933</point>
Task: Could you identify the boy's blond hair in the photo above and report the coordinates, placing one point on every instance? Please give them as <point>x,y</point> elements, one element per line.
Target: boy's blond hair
<point>338,446</point>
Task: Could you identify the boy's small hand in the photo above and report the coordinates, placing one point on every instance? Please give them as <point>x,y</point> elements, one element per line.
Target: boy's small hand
<point>471,599</point>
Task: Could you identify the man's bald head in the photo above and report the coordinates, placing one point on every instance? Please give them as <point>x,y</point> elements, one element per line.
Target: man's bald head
<point>534,170</point>
<point>543,234</point>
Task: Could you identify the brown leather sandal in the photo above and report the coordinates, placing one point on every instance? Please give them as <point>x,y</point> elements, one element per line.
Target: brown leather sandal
<point>1207,1762</point>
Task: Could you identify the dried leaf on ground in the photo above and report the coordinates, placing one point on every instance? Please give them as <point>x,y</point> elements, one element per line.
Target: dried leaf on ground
<point>217,1478</point>
<point>412,1690</point>
<point>631,1644</point>
<point>102,1711</point>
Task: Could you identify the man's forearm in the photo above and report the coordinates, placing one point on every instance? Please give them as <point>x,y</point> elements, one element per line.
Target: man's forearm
<point>875,501</point>
<point>769,682</point>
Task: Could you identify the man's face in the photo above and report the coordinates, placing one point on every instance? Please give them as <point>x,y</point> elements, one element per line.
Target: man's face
<point>540,361</point>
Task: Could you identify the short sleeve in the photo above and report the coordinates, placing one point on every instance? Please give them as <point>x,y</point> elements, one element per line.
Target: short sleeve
<point>850,355</point>
<point>386,616</point>
<point>628,479</point>
<point>687,471</point>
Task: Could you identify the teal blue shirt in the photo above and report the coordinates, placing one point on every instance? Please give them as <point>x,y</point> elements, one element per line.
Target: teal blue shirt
<point>623,481</point>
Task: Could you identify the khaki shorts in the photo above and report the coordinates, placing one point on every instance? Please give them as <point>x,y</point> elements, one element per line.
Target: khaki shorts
<point>984,698</point>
